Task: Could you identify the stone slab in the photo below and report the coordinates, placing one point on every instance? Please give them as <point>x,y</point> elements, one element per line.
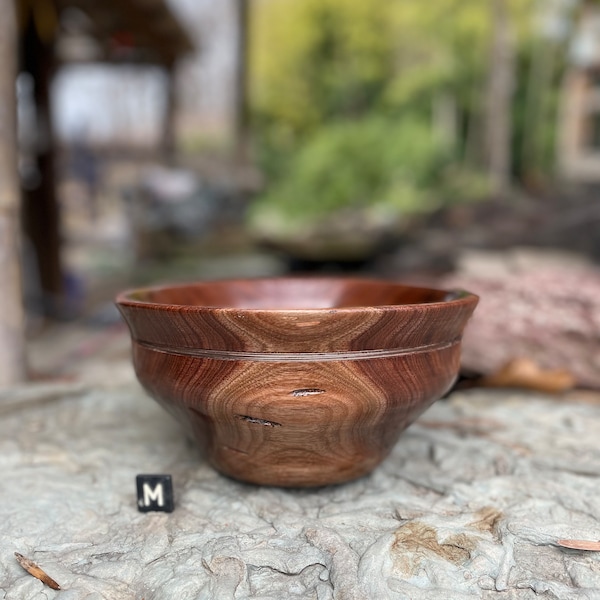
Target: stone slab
<point>470,504</point>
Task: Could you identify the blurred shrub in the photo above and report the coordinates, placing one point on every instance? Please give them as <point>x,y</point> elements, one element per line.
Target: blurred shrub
<point>374,172</point>
<point>314,61</point>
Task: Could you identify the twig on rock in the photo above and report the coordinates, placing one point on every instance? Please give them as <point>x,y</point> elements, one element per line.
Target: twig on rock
<point>38,573</point>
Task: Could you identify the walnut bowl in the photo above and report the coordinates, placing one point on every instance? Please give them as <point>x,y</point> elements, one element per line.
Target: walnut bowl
<point>296,381</point>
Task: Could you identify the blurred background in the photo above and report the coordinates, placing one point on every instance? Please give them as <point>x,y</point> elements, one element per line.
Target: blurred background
<point>456,144</point>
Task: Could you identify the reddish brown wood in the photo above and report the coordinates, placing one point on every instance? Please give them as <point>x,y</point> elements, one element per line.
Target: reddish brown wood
<point>296,381</point>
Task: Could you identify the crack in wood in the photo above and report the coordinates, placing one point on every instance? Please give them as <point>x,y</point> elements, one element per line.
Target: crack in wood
<point>307,392</point>
<point>257,421</point>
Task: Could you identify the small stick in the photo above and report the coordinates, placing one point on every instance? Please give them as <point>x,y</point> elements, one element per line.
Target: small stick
<point>580,545</point>
<point>38,573</point>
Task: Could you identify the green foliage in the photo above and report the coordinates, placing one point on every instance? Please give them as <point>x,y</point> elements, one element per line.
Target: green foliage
<point>379,168</point>
<point>314,59</point>
<point>536,107</point>
<point>343,99</point>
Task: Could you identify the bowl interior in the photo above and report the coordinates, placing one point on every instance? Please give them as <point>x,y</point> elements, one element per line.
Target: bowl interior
<point>289,294</point>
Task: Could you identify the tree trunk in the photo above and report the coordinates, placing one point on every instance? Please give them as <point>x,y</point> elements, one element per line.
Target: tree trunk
<point>12,319</point>
<point>241,117</point>
<point>498,109</point>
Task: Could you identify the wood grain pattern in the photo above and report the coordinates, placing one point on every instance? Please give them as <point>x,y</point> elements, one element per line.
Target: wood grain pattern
<point>282,395</point>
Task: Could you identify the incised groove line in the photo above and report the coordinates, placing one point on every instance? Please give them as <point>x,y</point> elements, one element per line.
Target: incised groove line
<point>296,356</point>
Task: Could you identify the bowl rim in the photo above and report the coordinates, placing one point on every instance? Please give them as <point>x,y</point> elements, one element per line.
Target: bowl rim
<point>454,297</point>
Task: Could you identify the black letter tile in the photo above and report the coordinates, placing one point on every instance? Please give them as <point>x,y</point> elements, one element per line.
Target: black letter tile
<point>154,493</point>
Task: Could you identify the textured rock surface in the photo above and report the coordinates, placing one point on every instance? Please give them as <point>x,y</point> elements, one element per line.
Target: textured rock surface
<point>471,503</point>
<point>533,304</point>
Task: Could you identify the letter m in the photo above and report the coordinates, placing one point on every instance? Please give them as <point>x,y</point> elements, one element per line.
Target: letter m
<point>155,493</point>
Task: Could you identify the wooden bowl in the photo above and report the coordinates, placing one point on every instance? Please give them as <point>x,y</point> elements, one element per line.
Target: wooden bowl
<point>296,381</point>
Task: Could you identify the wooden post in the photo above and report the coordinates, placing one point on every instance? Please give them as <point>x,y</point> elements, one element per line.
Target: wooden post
<point>12,318</point>
<point>40,206</point>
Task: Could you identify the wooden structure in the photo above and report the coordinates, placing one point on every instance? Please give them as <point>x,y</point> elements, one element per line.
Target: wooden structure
<point>53,32</point>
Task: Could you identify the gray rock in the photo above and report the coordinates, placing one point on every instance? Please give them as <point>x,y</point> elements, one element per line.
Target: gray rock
<point>538,305</point>
<point>470,504</point>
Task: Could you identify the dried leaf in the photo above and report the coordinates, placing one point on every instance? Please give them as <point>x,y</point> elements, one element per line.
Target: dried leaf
<point>526,373</point>
<point>580,545</point>
<point>34,570</point>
